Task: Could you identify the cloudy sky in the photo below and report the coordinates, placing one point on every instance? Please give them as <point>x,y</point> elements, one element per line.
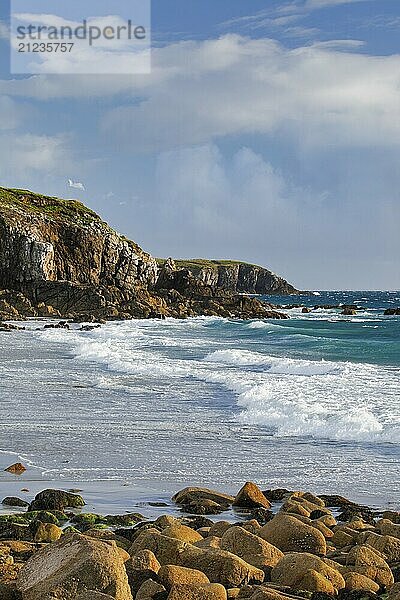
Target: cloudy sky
<point>267,131</point>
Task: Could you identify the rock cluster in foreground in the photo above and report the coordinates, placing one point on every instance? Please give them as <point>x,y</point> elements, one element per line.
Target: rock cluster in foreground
<point>59,259</point>
<point>288,545</point>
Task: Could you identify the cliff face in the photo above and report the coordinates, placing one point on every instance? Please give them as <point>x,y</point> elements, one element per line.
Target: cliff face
<point>47,239</point>
<point>58,258</point>
<point>236,277</point>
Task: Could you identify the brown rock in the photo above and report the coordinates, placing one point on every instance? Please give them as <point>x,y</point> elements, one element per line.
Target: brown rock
<point>149,590</point>
<point>386,544</point>
<point>47,532</point>
<point>211,591</point>
<point>293,567</point>
<point>313,581</point>
<point>291,535</point>
<point>356,581</point>
<point>219,528</point>
<point>72,565</point>
<point>183,533</point>
<point>209,542</point>
<point>145,560</point>
<point>387,527</point>
<point>251,548</point>
<point>392,515</point>
<point>250,496</point>
<point>367,562</point>
<point>221,566</point>
<point>16,469</point>
<point>167,550</point>
<point>171,575</point>
<point>341,539</point>
<point>193,494</point>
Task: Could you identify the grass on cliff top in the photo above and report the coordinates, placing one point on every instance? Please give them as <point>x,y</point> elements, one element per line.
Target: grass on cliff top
<point>37,204</point>
<point>196,264</point>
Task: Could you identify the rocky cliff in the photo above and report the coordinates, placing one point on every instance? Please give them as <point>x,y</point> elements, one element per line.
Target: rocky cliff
<point>236,276</point>
<point>58,258</point>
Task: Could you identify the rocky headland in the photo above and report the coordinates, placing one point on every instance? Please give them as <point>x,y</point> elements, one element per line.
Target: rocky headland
<point>59,259</point>
<point>284,545</point>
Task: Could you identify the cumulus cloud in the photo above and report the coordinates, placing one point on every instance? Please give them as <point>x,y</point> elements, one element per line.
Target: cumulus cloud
<point>201,91</point>
<point>205,204</point>
<point>22,155</point>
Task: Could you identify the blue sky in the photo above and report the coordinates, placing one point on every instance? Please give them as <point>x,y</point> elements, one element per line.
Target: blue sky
<point>267,131</point>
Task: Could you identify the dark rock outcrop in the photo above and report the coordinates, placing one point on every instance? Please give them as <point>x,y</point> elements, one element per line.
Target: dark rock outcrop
<point>235,276</point>
<point>59,259</point>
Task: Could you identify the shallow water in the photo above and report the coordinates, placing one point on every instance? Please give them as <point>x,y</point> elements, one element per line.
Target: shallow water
<point>312,402</point>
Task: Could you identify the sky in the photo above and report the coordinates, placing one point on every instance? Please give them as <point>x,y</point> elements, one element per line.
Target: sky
<point>266,131</point>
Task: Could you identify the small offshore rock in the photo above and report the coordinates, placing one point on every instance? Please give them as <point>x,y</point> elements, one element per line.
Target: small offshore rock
<point>16,469</point>
<point>13,501</point>
<point>56,500</point>
<point>250,496</point>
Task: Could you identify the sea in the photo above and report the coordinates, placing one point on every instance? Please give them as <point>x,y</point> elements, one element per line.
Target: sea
<point>310,403</point>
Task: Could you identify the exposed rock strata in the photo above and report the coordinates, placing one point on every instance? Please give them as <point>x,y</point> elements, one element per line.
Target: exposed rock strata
<point>59,259</point>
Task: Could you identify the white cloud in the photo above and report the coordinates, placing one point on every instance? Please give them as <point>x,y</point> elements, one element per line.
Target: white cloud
<point>26,154</point>
<point>205,204</point>
<point>320,95</point>
<point>315,4</point>
<point>11,113</point>
<point>4,31</point>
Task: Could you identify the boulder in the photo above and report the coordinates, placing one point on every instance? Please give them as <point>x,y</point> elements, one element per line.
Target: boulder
<point>56,500</point>
<point>293,567</point>
<point>149,590</point>
<point>171,575</point>
<point>291,535</point>
<point>193,494</point>
<point>250,496</point>
<point>73,565</point>
<point>387,527</point>
<point>168,551</point>
<point>47,532</point>
<point>210,591</point>
<point>221,566</point>
<point>17,502</point>
<point>356,581</point>
<point>386,544</point>
<point>341,539</point>
<point>392,515</point>
<point>16,469</point>
<point>209,542</point>
<point>218,529</point>
<point>251,548</point>
<point>183,533</point>
<point>145,560</point>
<point>313,581</point>
<point>364,560</point>
<point>141,567</point>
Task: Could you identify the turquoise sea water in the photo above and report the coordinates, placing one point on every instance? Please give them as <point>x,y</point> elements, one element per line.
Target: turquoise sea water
<point>309,402</point>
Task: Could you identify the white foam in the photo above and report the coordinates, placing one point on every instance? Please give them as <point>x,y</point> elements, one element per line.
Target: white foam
<point>284,395</point>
